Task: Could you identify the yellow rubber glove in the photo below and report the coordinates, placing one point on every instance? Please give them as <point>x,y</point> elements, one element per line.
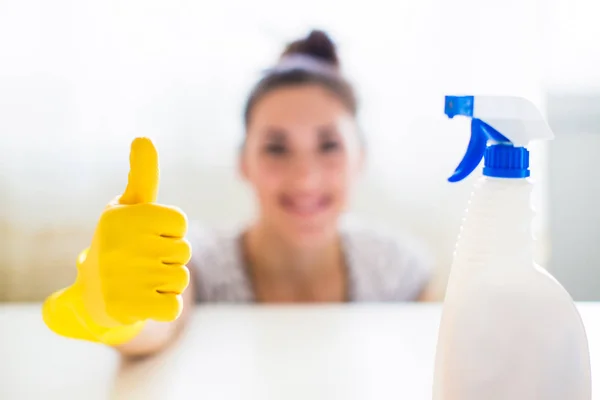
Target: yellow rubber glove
<point>134,269</point>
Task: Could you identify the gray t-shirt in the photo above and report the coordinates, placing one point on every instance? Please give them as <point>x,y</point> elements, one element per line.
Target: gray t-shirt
<point>381,268</point>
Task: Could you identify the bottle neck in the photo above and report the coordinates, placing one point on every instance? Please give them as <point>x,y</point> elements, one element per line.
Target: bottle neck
<point>498,223</point>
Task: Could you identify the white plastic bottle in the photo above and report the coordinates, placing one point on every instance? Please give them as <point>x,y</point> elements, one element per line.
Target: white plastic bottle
<point>509,330</point>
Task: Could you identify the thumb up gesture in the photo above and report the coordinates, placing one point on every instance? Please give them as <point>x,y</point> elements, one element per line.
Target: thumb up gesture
<point>135,268</point>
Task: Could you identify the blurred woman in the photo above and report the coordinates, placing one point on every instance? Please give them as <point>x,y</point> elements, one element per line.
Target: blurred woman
<point>302,154</point>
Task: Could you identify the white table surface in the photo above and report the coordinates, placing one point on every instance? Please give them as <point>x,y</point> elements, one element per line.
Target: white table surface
<point>244,352</point>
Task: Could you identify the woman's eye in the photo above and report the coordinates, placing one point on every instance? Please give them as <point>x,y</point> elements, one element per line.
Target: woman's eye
<point>275,149</point>
<point>329,146</point>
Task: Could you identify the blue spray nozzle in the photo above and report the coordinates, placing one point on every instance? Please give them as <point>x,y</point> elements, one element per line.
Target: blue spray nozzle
<point>517,118</point>
<point>459,105</point>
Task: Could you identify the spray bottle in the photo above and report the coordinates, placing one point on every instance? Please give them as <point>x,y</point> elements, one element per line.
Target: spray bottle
<point>509,330</point>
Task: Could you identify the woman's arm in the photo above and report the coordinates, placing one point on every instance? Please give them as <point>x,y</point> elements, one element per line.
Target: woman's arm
<point>156,336</point>
<point>427,295</point>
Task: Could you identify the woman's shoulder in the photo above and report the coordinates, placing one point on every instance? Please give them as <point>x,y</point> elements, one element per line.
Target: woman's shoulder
<point>217,264</point>
<point>209,242</point>
<point>386,264</point>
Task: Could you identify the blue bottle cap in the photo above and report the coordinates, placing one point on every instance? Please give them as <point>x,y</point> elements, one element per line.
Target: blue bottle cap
<point>506,161</point>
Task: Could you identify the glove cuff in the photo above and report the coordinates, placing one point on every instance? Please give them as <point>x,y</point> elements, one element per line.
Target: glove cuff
<point>64,313</point>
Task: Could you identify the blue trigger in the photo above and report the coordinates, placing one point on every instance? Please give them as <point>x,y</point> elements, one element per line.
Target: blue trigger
<point>481,133</point>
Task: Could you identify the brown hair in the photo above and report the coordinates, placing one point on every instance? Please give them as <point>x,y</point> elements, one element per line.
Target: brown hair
<point>312,60</point>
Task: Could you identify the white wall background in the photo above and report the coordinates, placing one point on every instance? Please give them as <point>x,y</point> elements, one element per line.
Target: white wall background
<point>80,79</point>
<point>575,217</point>
<point>572,77</point>
<point>570,44</point>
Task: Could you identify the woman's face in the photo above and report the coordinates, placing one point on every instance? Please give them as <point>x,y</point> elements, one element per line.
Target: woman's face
<point>302,154</point>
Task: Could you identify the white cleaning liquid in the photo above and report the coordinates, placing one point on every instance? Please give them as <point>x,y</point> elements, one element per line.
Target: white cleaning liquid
<point>509,330</point>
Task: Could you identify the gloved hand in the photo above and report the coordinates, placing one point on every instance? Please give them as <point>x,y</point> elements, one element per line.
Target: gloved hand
<point>134,269</point>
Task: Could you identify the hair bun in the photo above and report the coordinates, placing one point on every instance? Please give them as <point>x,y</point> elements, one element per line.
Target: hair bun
<point>318,45</point>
